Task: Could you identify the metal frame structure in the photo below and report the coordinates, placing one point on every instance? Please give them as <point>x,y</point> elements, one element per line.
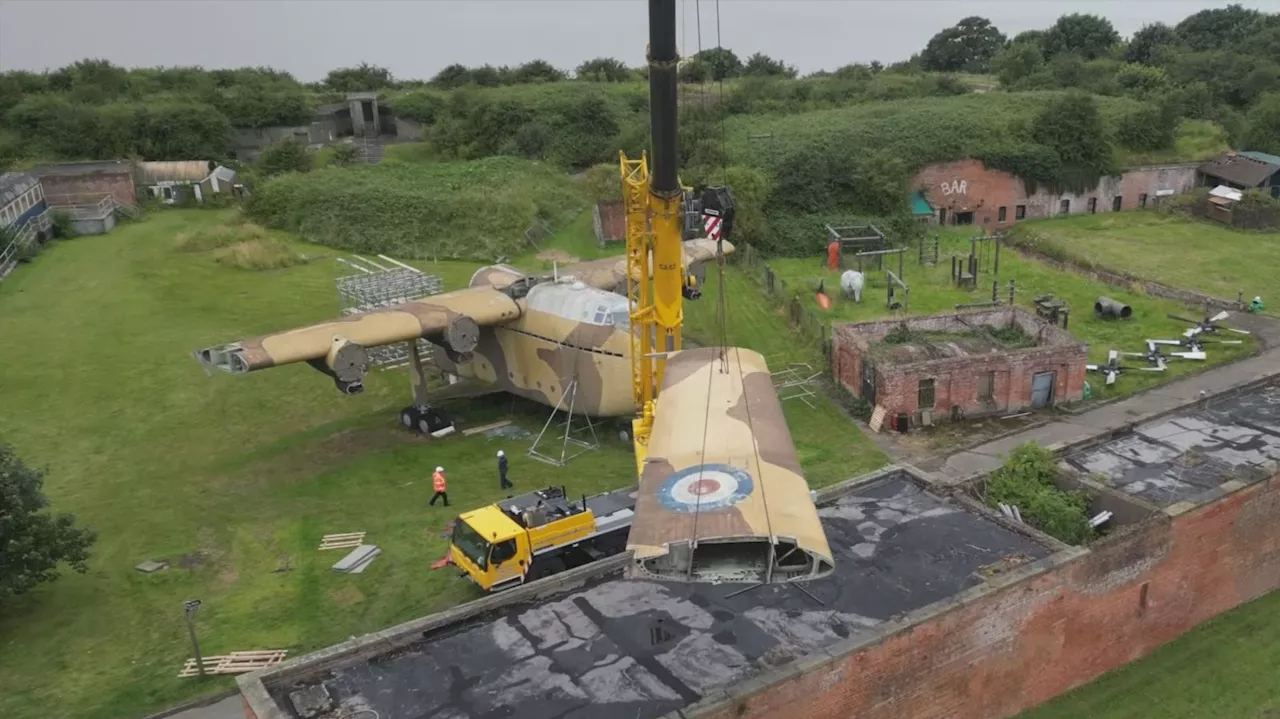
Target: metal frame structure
<point>375,286</point>
<point>571,391</point>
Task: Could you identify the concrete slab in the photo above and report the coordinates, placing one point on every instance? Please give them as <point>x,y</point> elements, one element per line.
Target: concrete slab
<point>618,648</point>
<point>1189,457</point>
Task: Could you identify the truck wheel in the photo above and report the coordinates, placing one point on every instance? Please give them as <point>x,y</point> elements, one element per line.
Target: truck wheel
<point>409,417</point>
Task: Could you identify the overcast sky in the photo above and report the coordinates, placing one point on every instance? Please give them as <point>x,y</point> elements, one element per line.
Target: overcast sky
<point>416,38</point>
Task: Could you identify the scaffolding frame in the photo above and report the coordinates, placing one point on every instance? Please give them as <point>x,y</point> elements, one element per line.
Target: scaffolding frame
<point>567,438</point>
<point>376,286</point>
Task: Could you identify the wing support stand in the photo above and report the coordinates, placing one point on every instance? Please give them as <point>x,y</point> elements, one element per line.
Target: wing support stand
<point>421,415</point>
<point>571,392</point>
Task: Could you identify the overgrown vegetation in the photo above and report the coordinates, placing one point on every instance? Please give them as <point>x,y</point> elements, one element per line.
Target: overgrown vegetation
<point>1026,481</point>
<point>267,253</point>
<point>475,210</point>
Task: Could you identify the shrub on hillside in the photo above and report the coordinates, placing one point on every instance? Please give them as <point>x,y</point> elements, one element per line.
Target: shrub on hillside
<point>476,210</point>
<point>266,253</point>
<point>603,182</point>
<point>286,156</point>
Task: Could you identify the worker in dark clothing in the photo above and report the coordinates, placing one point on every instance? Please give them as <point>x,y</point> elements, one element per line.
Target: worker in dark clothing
<point>502,471</point>
<point>441,487</point>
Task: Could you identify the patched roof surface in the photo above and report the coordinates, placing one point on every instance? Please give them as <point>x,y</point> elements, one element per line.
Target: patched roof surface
<point>1239,169</point>
<point>641,649</point>
<point>1189,455</point>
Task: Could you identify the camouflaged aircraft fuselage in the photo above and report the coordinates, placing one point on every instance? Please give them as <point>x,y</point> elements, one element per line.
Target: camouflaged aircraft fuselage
<point>534,336</point>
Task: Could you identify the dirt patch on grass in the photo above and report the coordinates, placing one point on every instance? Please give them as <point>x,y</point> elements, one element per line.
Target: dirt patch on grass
<point>192,560</point>
<point>557,255</point>
<point>346,596</point>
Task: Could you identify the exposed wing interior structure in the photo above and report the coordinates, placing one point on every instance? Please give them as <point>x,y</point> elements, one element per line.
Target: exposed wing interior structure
<point>722,497</point>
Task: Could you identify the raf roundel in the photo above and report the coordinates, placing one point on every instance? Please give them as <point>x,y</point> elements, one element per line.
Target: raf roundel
<point>705,488</point>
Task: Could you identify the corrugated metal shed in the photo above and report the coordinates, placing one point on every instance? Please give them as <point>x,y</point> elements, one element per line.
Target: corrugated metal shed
<point>1266,157</point>
<point>13,185</point>
<point>154,173</point>
<point>1238,170</point>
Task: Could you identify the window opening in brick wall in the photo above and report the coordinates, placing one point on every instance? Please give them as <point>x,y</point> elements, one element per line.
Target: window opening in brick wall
<point>1142,597</point>
<point>1116,203</point>
<point>942,215</point>
<point>1064,207</point>
<point>1003,214</point>
<point>986,387</point>
<point>1020,212</point>
<point>1093,205</point>
<point>924,395</point>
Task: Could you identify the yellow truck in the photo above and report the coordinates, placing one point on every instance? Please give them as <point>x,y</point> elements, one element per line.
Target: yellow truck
<point>534,535</point>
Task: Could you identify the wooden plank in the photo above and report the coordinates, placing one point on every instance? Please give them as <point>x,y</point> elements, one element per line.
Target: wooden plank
<point>342,535</point>
<point>877,418</point>
<point>485,428</point>
<point>235,662</point>
<point>343,545</point>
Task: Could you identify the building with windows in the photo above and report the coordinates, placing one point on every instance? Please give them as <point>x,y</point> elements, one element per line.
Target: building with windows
<point>967,192</point>
<point>24,217</point>
<point>957,365</point>
<point>175,182</point>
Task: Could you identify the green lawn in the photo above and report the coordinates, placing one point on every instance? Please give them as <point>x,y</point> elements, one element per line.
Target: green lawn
<point>235,479</point>
<point>1181,252</point>
<point>932,291</point>
<point>1227,668</point>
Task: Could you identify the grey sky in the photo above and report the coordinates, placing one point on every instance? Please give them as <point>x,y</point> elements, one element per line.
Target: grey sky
<point>416,38</point>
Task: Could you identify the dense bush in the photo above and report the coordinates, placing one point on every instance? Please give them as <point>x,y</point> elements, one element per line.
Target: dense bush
<point>1026,481</point>
<point>477,210</point>
<point>288,155</point>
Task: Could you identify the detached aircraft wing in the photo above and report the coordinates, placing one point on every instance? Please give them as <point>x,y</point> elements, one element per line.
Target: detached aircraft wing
<point>611,273</point>
<point>721,495</point>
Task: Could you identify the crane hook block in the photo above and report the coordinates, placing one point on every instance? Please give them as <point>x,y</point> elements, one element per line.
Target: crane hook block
<point>718,202</point>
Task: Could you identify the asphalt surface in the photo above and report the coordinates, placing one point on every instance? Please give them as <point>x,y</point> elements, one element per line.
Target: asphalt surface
<point>637,649</point>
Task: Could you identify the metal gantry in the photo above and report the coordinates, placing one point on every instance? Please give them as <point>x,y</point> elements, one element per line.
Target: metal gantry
<point>375,286</point>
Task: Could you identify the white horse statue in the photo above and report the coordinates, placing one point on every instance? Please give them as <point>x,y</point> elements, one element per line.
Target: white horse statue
<point>851,284</point>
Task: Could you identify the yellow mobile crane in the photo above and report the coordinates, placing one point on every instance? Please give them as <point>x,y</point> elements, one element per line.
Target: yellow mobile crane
<point>531,536</point>
<point>658,281</point>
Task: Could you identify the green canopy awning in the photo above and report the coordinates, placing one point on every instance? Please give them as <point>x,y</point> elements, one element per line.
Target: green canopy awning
<point>920,205</point>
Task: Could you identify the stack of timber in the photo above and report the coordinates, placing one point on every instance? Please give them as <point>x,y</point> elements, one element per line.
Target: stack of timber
<point>235,662</point>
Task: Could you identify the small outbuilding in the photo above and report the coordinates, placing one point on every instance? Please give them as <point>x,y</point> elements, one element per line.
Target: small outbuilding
<point>1243,171</point>
<point>958,365</point>
<point>172,182</point>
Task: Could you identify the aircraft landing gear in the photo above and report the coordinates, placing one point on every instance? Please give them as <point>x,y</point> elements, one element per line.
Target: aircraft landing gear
<point>427,420</point>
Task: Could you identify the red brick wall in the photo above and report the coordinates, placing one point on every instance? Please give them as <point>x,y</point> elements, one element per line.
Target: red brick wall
<point>1018,646</point>
<point>119,185</point>
<point>956,379</point>
<point>968,186</point>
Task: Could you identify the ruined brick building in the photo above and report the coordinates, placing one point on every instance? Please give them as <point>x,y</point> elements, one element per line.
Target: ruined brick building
<point>961,364</point>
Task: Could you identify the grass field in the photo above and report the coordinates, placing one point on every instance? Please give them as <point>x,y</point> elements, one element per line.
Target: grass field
<point>235,479</point>
<point>932,291</point>
<point>1171,249</point>
<point>1226,669</point>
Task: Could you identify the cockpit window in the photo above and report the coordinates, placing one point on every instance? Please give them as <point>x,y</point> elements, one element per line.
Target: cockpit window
<point>622,318</point>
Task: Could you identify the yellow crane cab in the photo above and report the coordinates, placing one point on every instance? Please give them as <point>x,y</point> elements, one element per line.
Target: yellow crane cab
<point>533,535</point>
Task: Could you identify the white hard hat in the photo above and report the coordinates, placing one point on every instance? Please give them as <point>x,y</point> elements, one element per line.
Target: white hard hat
<point>439,469</point>
<point>499,453</point>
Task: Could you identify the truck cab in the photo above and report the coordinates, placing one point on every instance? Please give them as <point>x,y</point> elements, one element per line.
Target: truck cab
<point>536,534</point>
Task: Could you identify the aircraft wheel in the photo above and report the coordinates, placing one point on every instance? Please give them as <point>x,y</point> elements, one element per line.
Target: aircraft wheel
<point>626,434</point>
<point>409,417</point>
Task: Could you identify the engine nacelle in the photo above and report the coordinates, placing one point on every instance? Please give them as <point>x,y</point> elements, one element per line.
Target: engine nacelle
<point>347,362</point>
<point>462,336</point>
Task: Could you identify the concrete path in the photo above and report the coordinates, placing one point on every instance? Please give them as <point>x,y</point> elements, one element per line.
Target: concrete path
<point>230,708</point>
<point>1069,430</point>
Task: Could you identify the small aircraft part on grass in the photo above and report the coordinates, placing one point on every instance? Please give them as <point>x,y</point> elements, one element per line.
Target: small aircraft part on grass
<point>1195,345</point>
<point>1113,368</point>
<point>1208,325</point>
<point>1159,359</point>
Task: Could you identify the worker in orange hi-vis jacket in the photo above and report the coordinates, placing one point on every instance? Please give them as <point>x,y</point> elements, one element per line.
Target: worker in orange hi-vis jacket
<point>441,487</point>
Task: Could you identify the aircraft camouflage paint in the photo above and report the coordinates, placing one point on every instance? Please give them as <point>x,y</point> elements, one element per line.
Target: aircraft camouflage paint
<point>722,497</point>
<point>532,336</point>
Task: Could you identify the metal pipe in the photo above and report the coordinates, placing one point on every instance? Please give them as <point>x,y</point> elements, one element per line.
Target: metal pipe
<point>663,92</point>
<point>1112,309</point>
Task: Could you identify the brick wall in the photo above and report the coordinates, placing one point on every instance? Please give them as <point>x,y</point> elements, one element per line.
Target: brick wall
<point>968,186</point>
<point>956,378</point>
<point>90,186</point>
<point>1000,651</point>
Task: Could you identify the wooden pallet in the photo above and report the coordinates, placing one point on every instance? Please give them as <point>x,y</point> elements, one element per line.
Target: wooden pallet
<point>235,662</point>
<point>349,540</point>
<point>485,428</point>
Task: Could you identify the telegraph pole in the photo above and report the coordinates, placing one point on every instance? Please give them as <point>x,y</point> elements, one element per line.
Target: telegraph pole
<point>189,608</point>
